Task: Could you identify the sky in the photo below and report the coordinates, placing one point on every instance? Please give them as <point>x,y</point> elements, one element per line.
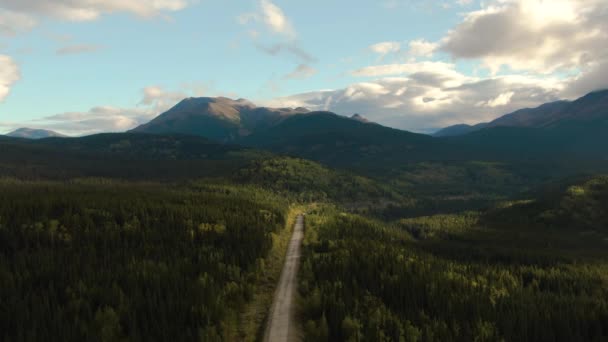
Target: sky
<point>86,66</point>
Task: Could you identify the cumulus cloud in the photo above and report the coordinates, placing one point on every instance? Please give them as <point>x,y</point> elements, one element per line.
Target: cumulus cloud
<point>273,18</point>
<point>422,48</point>
<point>9,74</point>
<point>532,35</point>
<point>426,96</point>
<point>414,49</point>
<point>438,71</point>
<point>97,119</point>
<point>501,100</point>
<point>85,10</point>
<point>161,99</point>
<point>12,23</point>
<point>385,48</point>
<point>537,51</point>
<point>594,77</point>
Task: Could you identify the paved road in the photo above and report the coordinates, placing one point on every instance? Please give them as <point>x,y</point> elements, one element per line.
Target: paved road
<point>281,321</point>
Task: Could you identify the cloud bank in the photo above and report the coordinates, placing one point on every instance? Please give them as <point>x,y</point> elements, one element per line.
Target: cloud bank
<point>535,51</point>
<point>86,10</point>
<point>9,74</point>
<point>427,95</point>
<point>154,100</point>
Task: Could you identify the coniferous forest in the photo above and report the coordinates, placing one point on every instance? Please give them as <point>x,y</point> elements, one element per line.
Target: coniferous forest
<point>109,261</point>
<point>435,251</point>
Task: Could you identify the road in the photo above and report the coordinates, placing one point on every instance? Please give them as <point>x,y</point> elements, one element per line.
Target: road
<point>281,320</point>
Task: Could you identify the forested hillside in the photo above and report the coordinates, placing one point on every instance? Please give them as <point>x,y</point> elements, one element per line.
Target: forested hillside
<point>504,275</point>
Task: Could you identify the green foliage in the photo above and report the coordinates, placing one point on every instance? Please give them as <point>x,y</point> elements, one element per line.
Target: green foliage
<point>309,181</point>
<point>110,261</point>
<point>443,226</point>
<point>130,156</point>
<point>583,206</point>
<point>471,277</point>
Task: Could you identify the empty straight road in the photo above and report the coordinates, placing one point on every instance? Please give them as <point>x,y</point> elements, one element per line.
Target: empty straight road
<point>281,321</point>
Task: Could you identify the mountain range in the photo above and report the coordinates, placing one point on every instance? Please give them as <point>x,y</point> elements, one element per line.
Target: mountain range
<point>587,109</point>
<point>577,129</point>
<point>563,130</point>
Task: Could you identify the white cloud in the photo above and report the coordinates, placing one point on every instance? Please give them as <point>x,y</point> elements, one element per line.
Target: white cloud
<point>97,119</point>
<point>385,48</point>
<point>154,101</point>
<point>422,48</point>
<point>275,19</point>
<point>9,74</point>
<point>594,77</point>
<point>162,99</point>
<point>430,95</point>
<point>532,35</point>
<point>438,71</point>
<point>270,18</point>
<point>538,51</point>
<point>12,23</point>
<point>302,71</point>
<point>85,10</point>
<point>501,100</point>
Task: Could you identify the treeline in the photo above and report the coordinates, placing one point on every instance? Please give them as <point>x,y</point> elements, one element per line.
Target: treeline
<point>363,280</point>
<point>101,260</point>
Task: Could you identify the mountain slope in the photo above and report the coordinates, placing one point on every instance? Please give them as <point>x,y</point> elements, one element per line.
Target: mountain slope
<point>30,133</point>
<point>122,155</point>
<point>151,157</point>
<point>339,141</point>
<point>459,130</point>
<point>568,140</point>
<point>219,119</point>
<point>587,109</point>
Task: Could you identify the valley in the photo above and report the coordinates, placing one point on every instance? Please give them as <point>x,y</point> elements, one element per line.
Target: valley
<point>495,235</point>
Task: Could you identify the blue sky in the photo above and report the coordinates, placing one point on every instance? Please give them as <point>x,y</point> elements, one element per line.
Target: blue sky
<point>86,66</point>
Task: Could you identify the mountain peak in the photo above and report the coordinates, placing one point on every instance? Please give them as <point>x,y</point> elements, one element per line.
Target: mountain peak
<point>218,118</point>
<point>31,133</point>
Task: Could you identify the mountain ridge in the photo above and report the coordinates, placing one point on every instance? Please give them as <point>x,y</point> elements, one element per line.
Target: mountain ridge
<point>221,119</point>
<point>590,107</point>
<point>32,133</point>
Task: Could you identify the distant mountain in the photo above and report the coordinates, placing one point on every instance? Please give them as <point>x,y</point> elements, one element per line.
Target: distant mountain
<point>589,108</point>
<point>343,142</point>
<point>570,130</point>
<point>459,130</point>
<point>221,119</point>
<point>30,133</point>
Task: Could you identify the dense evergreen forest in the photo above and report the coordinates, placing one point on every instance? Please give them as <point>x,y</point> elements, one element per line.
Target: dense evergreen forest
<point>523,271</point>
<point>133,237</point>
<point>105,260</point>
